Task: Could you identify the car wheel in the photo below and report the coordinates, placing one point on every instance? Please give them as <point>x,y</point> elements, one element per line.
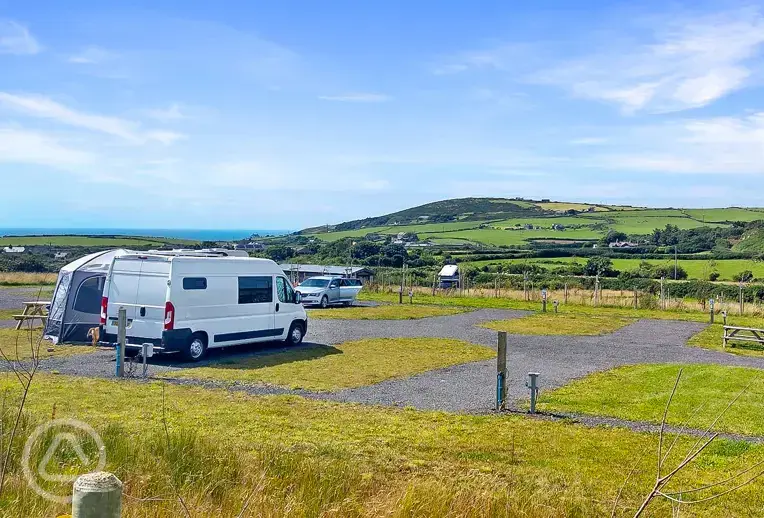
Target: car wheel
<point>196,348</point>
<point>296,334</point>
<point>324,302</point>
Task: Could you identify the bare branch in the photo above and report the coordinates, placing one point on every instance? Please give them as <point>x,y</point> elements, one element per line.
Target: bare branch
<point>663,423</point>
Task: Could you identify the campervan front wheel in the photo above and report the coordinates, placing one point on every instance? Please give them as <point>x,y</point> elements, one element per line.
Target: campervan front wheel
<point>196,348</point>
<point>296,334</point>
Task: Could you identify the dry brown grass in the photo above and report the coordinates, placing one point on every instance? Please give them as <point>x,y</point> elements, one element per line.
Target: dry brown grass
<point>27,279</point>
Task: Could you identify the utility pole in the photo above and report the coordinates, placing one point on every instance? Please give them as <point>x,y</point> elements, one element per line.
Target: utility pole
<point>676,263</point>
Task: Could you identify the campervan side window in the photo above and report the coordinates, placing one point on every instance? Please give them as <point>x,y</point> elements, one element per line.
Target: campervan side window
<point>194,283</point>
<point>255,290</point>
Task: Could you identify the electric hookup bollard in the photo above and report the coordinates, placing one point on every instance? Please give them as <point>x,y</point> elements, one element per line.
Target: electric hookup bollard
<point>724,316</point>
<point>411,296</point>
<point>711,304</point>
<point>543,300</point>
<point>556,304</point>
<point>532,384</point>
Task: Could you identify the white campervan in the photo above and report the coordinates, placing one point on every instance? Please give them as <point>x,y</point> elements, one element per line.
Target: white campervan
<point>189,304</point>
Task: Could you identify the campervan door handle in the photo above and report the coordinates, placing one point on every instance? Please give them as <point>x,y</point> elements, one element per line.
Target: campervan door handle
<point>277,306</point>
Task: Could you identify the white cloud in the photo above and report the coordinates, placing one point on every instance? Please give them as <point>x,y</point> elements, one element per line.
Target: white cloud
<point>30,147</point>
<point>44,107</point>
<point>357,97</point>
<point>722,145</point>
<point>16,39</point>
<point>292,176</point>
<point>91,56</point>
<point>588,141</point>
<point>681,62</point>
<point>688,63</point>
<point>169,114</point>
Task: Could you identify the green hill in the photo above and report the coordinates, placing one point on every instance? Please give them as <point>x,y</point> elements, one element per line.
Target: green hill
<point>519,222</point>
<point>751,241</point>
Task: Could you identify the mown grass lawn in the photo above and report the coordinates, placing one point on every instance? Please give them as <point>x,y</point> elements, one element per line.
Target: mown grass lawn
<point>386,312</point>
<point>712,336</point>
<point>561,324</point>
<point>21,344</point>
<point>640,392</point>
<point>505,303</point>
<point>300,457</point>
<point>352,364</point>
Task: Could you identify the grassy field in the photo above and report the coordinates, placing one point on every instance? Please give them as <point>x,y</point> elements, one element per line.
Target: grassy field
<point>352,364</point>
<point>640,392</point>
<point>386,312</point>
<point>477,302</point>
<point>303,458</point>
<point>561,324</point>
<point>563,206</point>
<point>695,268</point>
<point>632,220</point>
<point>494,236</point>
<point>21,344</point>
<point>126,241</point>
<point>711,337</point>
<point>721,215</point>
<point>27,279</point>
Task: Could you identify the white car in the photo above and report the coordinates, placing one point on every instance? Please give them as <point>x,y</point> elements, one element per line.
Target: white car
<point>326,291</point>
<point>191,304</point>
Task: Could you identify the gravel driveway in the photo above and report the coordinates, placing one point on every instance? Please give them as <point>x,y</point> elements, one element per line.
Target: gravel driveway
<point>468,387</point>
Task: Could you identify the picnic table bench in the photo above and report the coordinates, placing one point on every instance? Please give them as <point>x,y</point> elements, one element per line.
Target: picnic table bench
<point>743,334</point>
<point>37,310</point>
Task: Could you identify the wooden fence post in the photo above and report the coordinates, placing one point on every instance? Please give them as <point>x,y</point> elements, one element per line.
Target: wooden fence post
<point>501,371</point>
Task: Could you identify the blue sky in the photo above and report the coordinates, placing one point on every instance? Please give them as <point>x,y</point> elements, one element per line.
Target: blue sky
<point>288,114</point>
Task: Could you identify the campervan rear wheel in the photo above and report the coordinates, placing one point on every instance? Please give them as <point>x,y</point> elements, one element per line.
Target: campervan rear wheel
<point>196,348</point>
<point>296,334</point>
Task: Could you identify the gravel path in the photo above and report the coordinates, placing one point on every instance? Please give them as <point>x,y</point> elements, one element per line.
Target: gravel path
<point>12,298</point>
<point>468,387</point>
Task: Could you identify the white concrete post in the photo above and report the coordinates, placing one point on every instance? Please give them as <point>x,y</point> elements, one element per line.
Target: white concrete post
<point>97,495</point>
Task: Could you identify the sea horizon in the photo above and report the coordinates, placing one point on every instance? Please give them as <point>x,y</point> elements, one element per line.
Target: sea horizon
<point>177,233</point>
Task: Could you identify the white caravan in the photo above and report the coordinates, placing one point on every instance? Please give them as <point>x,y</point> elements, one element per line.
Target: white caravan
<point>189,304</point>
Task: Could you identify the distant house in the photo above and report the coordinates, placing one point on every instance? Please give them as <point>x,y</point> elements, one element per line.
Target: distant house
<point>449,276</point>
<point>528,226</point>
<point>300,272</point>
<point>623,244</point>
<point>14,249</point>
<point>557,226</point>
<point>250,246</point>
<point>60,255</point>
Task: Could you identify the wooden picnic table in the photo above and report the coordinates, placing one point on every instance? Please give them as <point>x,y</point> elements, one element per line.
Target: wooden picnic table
<point>35,310</point>
<point>743,334</point>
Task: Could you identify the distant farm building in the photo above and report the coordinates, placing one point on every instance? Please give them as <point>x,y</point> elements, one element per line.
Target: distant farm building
<point>300,272</point>
<point>449,276</point>
<point>14,249</point>
<point>623,244</point>
<point>250,246</point>
<point>60,255</point>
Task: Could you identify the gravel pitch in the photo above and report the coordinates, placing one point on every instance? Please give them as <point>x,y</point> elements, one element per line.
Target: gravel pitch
<point>462,388</point>
<point>12,298</point>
